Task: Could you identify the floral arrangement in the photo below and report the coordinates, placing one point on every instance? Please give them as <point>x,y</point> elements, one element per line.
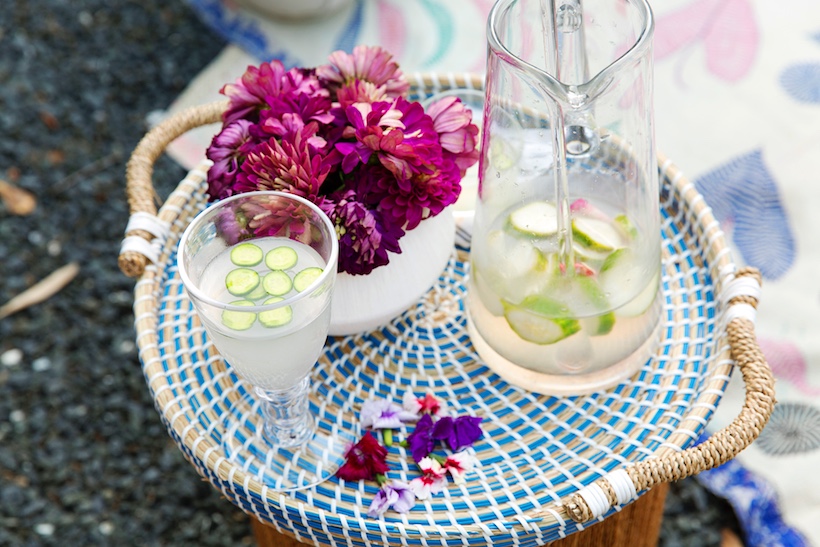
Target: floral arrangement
<point>367,459</point>
<point>344,136</point>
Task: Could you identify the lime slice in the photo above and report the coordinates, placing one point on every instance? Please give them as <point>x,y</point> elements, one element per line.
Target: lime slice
<point>306,277</point>
<point>239,320</point>
<point>538,218</point>
<point>597,235</point>
<point>534,320</point>
<point>281,258</point>
<point>278,317</point>
<point>277,283</point>
<point>623,222</point>
<point>246,254</point>
<point>241,281</point>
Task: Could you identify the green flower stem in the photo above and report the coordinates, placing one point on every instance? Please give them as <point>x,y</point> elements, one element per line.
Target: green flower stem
<point>381,479</point>
<point>439,459</point>
<point>403,443</point>
<point>388,437</point>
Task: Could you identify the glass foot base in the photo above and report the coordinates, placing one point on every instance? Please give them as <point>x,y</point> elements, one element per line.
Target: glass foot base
<point>281,468</point>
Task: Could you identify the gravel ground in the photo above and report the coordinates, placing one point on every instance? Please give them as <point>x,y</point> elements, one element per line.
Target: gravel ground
<point>84,459</point>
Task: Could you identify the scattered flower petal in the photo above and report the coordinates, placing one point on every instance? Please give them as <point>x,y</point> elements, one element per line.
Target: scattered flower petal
<point>432,481</point>
<point>364,460</point>
<point>383,414</point>
<point>458,465</point>
<point>396,495</point>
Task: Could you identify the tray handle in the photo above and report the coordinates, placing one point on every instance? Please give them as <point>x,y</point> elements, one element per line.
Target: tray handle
<point>143,225</point>
<point>622,485</point>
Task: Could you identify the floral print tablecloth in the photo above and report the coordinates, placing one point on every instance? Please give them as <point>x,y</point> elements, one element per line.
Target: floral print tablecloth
<point>737,105</point>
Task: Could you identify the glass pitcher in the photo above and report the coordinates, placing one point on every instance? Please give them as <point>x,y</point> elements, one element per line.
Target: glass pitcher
<point>565,262</point>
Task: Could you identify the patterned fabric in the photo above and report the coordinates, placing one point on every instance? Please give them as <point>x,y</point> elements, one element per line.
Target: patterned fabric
<point>737,107</point>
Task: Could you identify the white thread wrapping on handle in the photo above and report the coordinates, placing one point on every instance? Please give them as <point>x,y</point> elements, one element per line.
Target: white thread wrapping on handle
<point>596,499</point>
<point>149,250</point>
<point>742,311</point>
<point>622,485</point>
<point>741,286</point>
<point>149,223</point>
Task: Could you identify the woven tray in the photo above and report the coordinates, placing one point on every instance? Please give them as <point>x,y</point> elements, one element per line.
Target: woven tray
<point>546,464</point>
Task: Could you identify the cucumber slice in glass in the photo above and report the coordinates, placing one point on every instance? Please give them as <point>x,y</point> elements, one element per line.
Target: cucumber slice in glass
<point>281,258</point>
<point>246,254</point>
<point>597,235</point>
<point>538,218</point>
<point>239,320</point>
<point>306,277</point>
<point>277,283</point>
<point>534,320</point>
<point>278,317</point>
<point>258,293</point>
<point>241,281</point>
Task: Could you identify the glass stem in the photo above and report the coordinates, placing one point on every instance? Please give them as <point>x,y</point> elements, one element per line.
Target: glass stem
<point>288,421</point>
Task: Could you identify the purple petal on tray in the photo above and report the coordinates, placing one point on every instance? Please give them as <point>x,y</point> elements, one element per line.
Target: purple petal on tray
<point>743,194</point>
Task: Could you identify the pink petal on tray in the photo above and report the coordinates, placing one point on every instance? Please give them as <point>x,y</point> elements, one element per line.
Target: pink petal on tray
<point>680,28</point>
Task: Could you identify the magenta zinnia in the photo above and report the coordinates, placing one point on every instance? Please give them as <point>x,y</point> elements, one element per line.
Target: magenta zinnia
<point>345,137</point>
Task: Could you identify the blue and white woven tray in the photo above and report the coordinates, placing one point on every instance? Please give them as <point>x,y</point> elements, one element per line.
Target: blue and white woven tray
<point>546,464</point>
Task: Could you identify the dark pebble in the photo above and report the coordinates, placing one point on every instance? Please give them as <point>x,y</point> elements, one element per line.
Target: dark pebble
<point>88,462</point>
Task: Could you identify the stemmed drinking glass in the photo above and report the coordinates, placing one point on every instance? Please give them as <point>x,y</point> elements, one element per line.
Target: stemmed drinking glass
<point>259,269</point>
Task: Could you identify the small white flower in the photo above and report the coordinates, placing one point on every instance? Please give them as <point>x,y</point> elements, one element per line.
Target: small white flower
<point>432,481</point>
<point>459,464</point>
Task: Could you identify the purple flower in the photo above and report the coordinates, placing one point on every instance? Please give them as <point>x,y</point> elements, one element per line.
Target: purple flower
<point>282,218</point>
<point>364,238</point>
<point>384,414</point>
<point>459,433</point>
<point>228,148</point>
<point>231,226</point>
<point>421,440</point>
<point>247,96</point>
<point>395,494</point>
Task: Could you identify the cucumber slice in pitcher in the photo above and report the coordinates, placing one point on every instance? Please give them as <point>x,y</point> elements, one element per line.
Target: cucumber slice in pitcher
<point>597,235</point>
<point>534,320</point>
<point>239,320</point>
<point>241,281</point>
<point>619,273</point>
<point>278,317</point>
<point>306,277</point>
<point>277,283</point>
<point>258,293</point>
<point>538,218</point>
<point>596,325</point>
<point>246,254</point>
<point>281,258</point>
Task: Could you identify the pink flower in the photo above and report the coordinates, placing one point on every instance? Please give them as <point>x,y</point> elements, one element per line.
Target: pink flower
<point>458,465</point>
<point>432,480</point>
<point>364,460</point>
<point>395,494</point>
<point>457,134</point>
<point>288,219</point>
<point>359,91</point>
<point>428,404</point>
<point>289,166</point>
<point>369,63</point>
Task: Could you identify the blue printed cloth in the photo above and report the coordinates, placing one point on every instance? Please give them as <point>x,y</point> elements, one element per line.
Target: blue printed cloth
<point>737,107</point>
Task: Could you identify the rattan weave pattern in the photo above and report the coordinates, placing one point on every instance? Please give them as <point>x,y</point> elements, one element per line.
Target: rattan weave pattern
<point>537,450</point>
<point>540,455</point>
